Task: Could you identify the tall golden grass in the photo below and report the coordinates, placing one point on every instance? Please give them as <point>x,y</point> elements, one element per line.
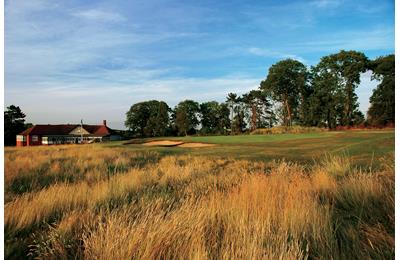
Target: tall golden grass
<point>138,205</point>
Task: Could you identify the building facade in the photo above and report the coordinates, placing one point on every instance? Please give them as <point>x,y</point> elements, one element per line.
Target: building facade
<point>66,134</point>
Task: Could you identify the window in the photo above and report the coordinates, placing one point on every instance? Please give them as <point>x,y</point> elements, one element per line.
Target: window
<point>35,138</point>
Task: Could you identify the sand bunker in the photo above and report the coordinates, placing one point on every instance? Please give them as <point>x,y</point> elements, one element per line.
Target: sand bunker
<point>195,145</point>
<point>163,143</point>
<point>167,143</point>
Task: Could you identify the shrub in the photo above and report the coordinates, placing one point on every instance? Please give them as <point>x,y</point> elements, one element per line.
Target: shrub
<point>287,130</point>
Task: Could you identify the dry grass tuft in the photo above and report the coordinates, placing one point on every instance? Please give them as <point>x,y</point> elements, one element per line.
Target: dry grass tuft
<point>95,203</point>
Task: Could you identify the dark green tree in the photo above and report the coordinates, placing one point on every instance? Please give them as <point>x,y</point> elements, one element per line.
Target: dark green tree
<point>214,117</point>
<point>187,120</point>
<point>209,117</point>
<point>382,109</point>
<point>149,118</point>
<point>224,121</point>
<point>14,123</point>
<point>348,66</point>
<point>259,109</point>
<point>325,103</point>
<point>158,122</point>
<point>286,81</point>
<point>232,100</point>
<point>239,123</point>
<point>239,119</point>
<point>333,100</point>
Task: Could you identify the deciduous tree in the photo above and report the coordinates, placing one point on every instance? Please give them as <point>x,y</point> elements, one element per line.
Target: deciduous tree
<point>382,109</point>
<point>187,113</point>
<point>286,80</point>
<point>149,118</point>
<point>214,117</point>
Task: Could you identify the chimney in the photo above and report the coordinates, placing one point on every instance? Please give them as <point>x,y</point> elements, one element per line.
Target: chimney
<point>105,122</point>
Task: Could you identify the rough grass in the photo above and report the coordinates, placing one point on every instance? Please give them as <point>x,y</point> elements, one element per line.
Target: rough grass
<point>101,203</point>
<point>287,130</point>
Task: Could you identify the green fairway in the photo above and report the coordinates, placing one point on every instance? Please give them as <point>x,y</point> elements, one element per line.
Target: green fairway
<point>250,139</point>
<point>361,146</point>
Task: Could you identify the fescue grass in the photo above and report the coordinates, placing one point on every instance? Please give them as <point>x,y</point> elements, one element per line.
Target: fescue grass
<point>287,130</point>
<point>96,202</point>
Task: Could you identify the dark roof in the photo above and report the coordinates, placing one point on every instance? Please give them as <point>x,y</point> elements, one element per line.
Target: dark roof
<point>96,130</point>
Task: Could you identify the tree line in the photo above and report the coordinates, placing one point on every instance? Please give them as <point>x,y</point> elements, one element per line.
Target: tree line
<point>291,94</point>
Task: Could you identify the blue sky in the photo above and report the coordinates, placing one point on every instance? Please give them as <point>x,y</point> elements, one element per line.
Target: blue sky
<point>67,60</point>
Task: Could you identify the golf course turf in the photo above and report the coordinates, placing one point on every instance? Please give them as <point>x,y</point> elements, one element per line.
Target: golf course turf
<point>362,146</point>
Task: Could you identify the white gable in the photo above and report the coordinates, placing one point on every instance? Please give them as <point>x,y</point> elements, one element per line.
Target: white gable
<point>79,131</point>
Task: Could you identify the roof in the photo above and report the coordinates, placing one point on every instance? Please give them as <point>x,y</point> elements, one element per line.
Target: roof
<point>96,130</point>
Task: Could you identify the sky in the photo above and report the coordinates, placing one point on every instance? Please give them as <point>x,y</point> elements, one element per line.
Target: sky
<point>91,60</point>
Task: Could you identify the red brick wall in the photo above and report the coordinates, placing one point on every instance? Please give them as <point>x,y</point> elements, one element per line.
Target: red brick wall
<point>29,140</point>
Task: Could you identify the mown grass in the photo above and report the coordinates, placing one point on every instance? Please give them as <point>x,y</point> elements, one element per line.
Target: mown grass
<point>361,146</point>
<point>104,202</point>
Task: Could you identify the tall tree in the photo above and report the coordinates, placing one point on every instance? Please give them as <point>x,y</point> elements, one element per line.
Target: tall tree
<point>250,100</point>
<point>214,117</point>
<point>149,118</point>
<point>348,65</point>
<point>382,109</point>
<point>224,122</point>
<point>260,108</point>
<point>158,121</point>
<point>326,102</point>
<point>239,119</point>
<point>14,123</point>
<point>187,116</point>
<point>232,100</point>
<point>285,81</point>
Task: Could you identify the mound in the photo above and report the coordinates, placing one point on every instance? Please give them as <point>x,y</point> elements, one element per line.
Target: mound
<point>163,143</point>
<point>195,145</point>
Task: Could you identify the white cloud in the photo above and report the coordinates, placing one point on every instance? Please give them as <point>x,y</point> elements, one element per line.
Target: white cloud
<point>96,99</point>
<point>100,15</point>
<point>59,53</point>
<point>326,3</point>
<point>274,54</point>
<point>364,90</point>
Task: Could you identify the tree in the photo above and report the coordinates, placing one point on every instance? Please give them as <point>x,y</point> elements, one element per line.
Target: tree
<point>232,100</point>
<point>158,121</point>
<point>347,65</point>
<point>214,117</point>
<point>240,114</point>
<point>149,118</point>
<point>14,123</point>
<point>187,116</point>
<point>285,81</point>
<point>260,108</point>
<point>382,109</point>
<point>209,117</point>
<point>333,100</point>
<point>250,99</point>
<point>325,101</point>
<point>239,124</point>
<point>223,119</point>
